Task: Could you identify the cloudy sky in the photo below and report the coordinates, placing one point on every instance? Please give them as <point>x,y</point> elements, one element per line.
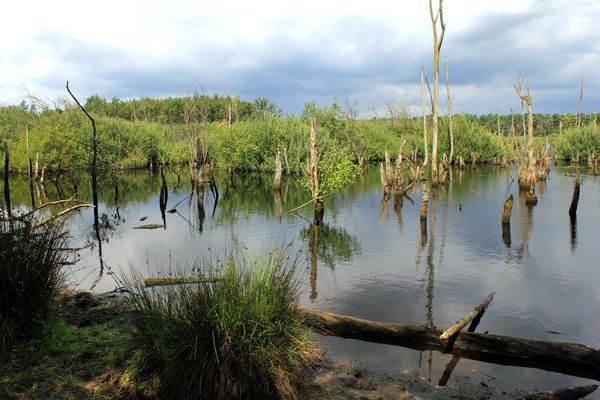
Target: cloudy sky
<point>368,52</point>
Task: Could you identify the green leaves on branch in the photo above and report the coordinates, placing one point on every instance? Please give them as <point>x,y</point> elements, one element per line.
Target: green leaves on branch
<point>335,171</point>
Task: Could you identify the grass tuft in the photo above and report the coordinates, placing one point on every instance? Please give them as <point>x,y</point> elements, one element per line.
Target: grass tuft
<point>236,337</point>
<point>31,261</point>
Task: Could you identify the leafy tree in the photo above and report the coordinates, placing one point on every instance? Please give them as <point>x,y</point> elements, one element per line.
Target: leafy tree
<point>266,110</point>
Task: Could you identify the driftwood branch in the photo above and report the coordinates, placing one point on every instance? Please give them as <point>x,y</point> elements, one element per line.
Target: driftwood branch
<point>479,309</point>
<point>566,358</point>
<point>477,193</point>
<point>60,214</point>
<point>310,201</point>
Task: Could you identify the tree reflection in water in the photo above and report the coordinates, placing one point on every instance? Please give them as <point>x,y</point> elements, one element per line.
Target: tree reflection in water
<point>330,245</point>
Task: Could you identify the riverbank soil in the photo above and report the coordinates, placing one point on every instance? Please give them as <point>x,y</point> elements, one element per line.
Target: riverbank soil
<point>77,361</point>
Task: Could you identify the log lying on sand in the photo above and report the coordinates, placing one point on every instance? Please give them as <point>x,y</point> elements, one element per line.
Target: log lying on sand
<point>567,358</point>
<point>571,393</point>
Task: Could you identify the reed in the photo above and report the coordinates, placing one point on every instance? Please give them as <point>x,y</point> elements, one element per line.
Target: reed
<point>237,337</point>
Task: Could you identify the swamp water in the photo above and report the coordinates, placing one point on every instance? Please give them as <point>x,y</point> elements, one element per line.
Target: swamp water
<point>371,259</point>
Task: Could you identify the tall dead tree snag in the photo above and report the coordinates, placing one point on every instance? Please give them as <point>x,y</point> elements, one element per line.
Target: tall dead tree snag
<point>575,199</point>
<point>6,183</point>
<point>437,45</point>
<point>449,115</point>
<point>506,220</point>
<point>314,181</point>
<point>529,165</point>
<point>94,166</point>
<point>277,181</point>
<point>391,178</point>
<point>398,181</point>
<point>426,145</point>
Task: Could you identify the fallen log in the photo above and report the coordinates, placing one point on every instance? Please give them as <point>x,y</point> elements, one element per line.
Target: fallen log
<point>566,358</point>
<point>478,309</point>
<point>571,393</point>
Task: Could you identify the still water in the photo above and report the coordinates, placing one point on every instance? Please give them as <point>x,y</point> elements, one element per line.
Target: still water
<point>372,260</point>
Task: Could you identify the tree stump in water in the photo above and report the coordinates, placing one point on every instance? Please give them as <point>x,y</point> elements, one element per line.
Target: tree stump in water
<point>424,203</point>
<point>575,199</point>
<point>277,181</point>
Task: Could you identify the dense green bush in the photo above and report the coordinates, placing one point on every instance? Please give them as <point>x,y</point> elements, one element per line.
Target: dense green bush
<point>578,141</point>
<point>127,138</point>
<point>235,336</point>
<point>31,260</point>
<point>470,138</point>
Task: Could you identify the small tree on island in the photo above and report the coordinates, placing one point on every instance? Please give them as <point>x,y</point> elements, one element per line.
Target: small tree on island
<point>326,174</point>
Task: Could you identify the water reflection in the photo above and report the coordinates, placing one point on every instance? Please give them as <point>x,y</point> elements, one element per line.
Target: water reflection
<point>434,272</point>
<point>573,232</point>
<point>330,245</point>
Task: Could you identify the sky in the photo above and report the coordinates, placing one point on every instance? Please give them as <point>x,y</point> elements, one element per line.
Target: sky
<point>367,53</point>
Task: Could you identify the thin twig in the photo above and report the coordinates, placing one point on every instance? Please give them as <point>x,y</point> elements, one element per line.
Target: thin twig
<point>477,193</point>
<point>308,202</point>
<point>61,213</point>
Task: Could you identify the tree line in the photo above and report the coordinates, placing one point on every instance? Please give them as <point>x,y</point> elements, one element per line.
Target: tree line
<point>138,133</point>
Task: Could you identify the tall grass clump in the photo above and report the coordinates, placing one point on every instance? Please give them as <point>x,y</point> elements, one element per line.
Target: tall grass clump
<point>235,335</point>
<point>31,274</point>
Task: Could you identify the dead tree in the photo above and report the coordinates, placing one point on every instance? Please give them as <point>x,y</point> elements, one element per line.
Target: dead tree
<point>437,45</point>
<point>449,115</point>
<point>424,121</point>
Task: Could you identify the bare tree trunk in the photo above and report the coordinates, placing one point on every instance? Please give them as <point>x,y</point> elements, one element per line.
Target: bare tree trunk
<point>498,111</point>
<point>6,186</point>
<point>522,82</point>
<point>277,181</point>
<point>424,122</point>
<point>575,199</point>
<point>479,309</point>
<point>313,173</point>
<point>424,204</point>
<point>398,183</point>
<point>437,45</point>
<point>592,108</point>
<point>580,103</point>
<point>229,126</point>
<point>449,115</point>
<point>531,170</point>
<point>384,181</point>
<point>389,172</point>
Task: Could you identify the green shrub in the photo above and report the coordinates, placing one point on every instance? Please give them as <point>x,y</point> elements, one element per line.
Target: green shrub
<point>31,261</point>
<point>235,337</point>
<point>582,141</point>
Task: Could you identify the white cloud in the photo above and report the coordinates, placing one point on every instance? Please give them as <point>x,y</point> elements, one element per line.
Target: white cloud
<point>288,51</point>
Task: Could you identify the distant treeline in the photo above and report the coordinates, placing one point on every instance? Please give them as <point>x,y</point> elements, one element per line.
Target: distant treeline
<point>137,133</point>
<point>183,110</point>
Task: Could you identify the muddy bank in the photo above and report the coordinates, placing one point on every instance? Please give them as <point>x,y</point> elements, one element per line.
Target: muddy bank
<point>349,379</point>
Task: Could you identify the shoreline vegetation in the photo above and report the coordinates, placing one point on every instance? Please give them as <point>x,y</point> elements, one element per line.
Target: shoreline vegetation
<point>238,333</point>
<point>200,129</point>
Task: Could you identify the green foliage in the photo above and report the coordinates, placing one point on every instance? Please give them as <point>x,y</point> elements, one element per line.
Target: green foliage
<point>32,258</point>
<point>236,337</point>
<point>469,137</point>
<point>333,244</point>
<point>333,118</point>
<point>335,171</point>
<point>266,110</point>
<point>582,141</point>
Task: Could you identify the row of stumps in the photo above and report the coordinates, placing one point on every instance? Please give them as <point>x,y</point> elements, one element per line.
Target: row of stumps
<point>506,214</point>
